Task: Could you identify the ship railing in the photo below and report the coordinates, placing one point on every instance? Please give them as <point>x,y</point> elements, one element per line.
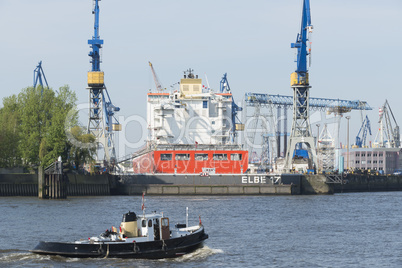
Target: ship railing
<point>196,147</point>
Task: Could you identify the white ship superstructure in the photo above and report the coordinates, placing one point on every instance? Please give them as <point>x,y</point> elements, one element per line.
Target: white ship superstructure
<point>193,114</point>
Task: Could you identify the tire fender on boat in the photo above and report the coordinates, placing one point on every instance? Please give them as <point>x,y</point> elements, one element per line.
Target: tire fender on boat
<point>135,247</point>
<point>101,251</point>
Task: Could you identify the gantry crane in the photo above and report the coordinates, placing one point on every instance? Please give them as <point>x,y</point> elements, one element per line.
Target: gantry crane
<point>299,81</point>
<point>264,105</point>
<point>101,122</point>
<point>37,77</point>
<point>387,136</point>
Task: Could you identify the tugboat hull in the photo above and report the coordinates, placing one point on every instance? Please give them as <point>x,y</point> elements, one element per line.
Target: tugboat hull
<point>169,248</point>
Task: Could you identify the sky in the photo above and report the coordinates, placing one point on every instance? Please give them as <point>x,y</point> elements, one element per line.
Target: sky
<point>355,48</point>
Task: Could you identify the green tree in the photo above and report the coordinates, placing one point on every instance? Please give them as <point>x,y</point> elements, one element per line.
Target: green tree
<point>83,146</point>
<point>54,140</point>
<point>36,117</point>
<point>39,125</point>
<point>9,133</point>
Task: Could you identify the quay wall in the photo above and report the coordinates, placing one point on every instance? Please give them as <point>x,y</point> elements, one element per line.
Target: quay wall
<point>308,184</point>
<point>78,185</point>
<point>18,185</point>
<point>369,183</point>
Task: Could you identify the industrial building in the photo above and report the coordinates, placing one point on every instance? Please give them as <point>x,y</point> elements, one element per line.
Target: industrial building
<point>384,160</point>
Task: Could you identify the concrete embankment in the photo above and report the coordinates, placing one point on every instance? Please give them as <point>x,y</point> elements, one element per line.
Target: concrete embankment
<point>308,184</point>
<point>369,183</point>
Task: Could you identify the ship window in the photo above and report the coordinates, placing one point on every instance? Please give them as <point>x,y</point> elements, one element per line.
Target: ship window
<point>166,157</point>
<point>165,222</point>
<point>182,156</point>
<point>150,223</point>
<point>186,87</point>
<point>235,157</point>
<point>204,104</point>
<point>144,223</point>
<point>220,157</point>
<point>201,157</point>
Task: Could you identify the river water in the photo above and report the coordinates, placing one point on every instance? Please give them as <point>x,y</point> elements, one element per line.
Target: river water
<point>341,230</point>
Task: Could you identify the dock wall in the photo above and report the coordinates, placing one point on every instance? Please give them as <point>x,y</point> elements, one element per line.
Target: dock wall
<point>18,185</point>
<point>78,185</point>
<point>309,184</point>
<point>369,183</point>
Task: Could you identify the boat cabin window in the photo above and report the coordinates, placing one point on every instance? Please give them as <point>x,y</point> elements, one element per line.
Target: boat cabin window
<point>165,222</point>
<point>201,157</point>
<point>166,157</point>
<point>149,223</point>
<point>182,156</point>
<point>220,157</point>
<point>144,223</point>
<point>236,157</point>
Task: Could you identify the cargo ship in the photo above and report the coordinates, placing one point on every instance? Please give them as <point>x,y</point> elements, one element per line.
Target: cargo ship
<point>192,132</point>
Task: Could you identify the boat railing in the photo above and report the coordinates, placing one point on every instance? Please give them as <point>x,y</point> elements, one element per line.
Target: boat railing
<point>190,229</point>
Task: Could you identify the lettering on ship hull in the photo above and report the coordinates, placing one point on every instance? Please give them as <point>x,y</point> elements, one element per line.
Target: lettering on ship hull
<point>253,179</point>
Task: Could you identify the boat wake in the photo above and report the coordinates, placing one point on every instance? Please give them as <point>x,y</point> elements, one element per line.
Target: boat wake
<point>23,257</point>
<point>198,255</point>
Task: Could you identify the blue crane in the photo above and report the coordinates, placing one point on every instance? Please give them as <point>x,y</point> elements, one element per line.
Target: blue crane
<point>301,42</point>
<point>102,110</point>
<point>225,88</point>
<point>96,43</point>
<point>38,73</point>
<point>299,81</point>
<point>361,141</point>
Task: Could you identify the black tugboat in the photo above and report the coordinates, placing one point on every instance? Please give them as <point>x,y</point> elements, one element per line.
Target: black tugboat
<point>146,236</point>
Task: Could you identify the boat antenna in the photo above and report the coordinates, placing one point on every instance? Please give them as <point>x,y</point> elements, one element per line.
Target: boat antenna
<point>143,204</point>
<point>186,216</point>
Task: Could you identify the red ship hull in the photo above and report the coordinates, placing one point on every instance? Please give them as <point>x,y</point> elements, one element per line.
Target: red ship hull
<point>192,162</point>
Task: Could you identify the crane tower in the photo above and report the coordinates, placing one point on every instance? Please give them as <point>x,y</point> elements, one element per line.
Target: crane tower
<point>38,73</point>
<point>101,109</point>
<point>299,81</point>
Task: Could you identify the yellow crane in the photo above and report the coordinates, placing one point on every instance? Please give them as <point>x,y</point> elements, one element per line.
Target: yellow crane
<point>158,85</point>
